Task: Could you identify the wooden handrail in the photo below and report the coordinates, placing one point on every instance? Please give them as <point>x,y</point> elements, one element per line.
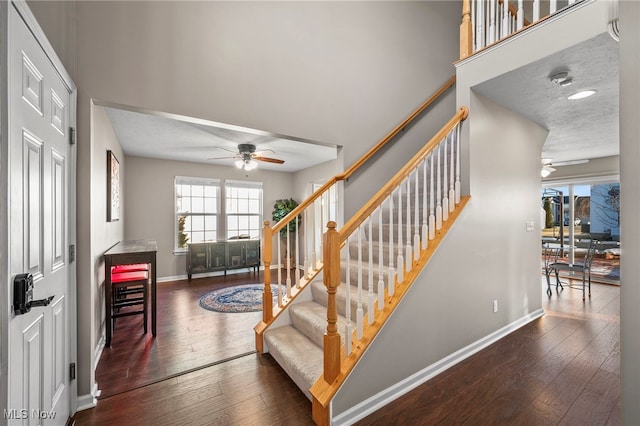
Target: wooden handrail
<point>347,173</point>
<point>386,190</point>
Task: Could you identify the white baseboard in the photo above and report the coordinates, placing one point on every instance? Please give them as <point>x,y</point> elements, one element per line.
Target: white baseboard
<point>384,397</point>
<point>86,401</point>
<point>208,274</point>
<point>89,401</point>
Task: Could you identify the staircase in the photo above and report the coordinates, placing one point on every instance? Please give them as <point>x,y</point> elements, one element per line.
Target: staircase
<point>320,328</point>
<point>298,347</point>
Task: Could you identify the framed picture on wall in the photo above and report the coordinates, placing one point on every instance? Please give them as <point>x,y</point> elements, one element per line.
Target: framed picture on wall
<point>113,187</point>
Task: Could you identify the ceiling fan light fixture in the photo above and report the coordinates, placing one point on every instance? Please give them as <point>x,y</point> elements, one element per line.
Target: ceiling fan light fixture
<point>239,163</point>
<point>546,171</point>
<point>250,165</point>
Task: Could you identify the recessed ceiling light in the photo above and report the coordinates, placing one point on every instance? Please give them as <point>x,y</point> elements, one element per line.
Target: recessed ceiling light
<point>581,95</point>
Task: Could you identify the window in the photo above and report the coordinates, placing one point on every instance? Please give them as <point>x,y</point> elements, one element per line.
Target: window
<point>214,210</point>
<point>243,209</point>
<point>197,209</point>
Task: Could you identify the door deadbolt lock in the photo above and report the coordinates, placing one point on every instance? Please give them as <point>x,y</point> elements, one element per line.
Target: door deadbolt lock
<point>23,295</point>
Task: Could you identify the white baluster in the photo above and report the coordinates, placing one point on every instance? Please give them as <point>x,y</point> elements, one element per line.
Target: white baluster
<point>416,234</point>
<point>288,263</point>
<point>347,309</point>
<point>474,27</point>
<point>505,18</point>
<point>380,261</point>
<point>400,261</point>
<point>536,10</point>
<point>425,226</point>
<point>409,254</point>
<point>392,271</point>
<point>279,272</point>
<point>452,192</point>
<point>439,191</point>
<point>306,240</point>
<point>553,6</point>
<point>371,298</point>
<point>432,217</point>
<point>323,224</point>
<point>521,14</point>
<point>457,187</point>
<point>296,269</point>
<point>445,198</point>
<point>359,310</point>
<point>492,25</point>
<point>481,34</point>
<point>314,258</point>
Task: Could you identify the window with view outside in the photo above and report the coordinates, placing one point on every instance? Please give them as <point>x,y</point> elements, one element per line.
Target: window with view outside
<point>197,210</point>
<point>243,209</point>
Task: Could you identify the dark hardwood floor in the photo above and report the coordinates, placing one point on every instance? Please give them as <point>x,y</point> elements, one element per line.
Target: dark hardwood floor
<point>561,369</point>
<point>188,336</point>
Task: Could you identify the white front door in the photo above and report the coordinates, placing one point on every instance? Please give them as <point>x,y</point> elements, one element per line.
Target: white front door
<point>39,195</point>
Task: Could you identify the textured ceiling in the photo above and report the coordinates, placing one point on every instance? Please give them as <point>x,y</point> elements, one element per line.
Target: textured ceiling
<point>578,129</point>
<point>183,139</point>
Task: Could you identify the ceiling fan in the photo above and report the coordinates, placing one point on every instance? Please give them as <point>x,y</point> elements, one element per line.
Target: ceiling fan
<point>247,157</point>
<point>547,164</point>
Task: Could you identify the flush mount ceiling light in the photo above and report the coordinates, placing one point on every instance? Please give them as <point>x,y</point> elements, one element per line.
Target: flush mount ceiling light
<point>582,94</point>
<point>562,78</point>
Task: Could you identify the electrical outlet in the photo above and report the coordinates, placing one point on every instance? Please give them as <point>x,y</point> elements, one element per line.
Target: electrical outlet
<point>495,306</point>
<point>529,226</point>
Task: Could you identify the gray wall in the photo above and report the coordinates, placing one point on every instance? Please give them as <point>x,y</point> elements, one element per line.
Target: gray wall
<point>340,72</point>
<point>103,236</point>
<point>449,306</point>
<point>150,206</point>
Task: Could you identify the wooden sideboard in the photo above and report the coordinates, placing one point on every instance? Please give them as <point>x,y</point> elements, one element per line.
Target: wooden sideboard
<point>222,256</point>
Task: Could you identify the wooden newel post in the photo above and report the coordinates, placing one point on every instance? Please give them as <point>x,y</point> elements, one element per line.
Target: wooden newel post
<point>267,297</point>
<point>466,33</point>
<point>331,281</point>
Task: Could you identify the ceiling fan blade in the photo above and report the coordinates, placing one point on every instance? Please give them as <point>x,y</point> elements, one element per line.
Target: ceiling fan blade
<point>225,149</point>
<point>268,160</point>
<point>570,162</point>
<point>223,158</point>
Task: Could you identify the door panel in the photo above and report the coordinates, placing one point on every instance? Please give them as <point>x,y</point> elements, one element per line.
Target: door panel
<point>39,178</point>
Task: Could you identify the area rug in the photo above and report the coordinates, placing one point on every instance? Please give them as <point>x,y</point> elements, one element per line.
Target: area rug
<point>241,298</point>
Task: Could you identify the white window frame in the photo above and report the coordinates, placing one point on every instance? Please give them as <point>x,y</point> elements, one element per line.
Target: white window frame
<point>183,180</point>
<point>259,215</point>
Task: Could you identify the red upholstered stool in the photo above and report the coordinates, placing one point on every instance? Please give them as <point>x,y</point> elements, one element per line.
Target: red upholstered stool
<point>129,268</point>
<point>129,289</point>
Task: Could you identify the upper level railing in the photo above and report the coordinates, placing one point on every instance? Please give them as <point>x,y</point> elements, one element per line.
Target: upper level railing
<point>485,22</point>
<point>305,241</point>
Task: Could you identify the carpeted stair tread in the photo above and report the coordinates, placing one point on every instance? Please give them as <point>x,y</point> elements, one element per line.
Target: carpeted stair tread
<point>320,296</point>
<point>298,356</point>
<point>310,318</point>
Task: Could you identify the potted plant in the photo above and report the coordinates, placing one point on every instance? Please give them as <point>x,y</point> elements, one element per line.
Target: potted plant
<point>282,208</point>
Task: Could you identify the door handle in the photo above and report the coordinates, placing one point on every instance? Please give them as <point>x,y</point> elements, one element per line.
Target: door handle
<point>23,295</point>
<point>41,302</point>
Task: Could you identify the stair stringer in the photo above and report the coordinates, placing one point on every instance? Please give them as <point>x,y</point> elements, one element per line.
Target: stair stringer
<point>324,393</point>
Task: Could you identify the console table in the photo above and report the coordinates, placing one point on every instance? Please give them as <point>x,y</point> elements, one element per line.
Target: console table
<point>129,253</point>
<point>222,256</point>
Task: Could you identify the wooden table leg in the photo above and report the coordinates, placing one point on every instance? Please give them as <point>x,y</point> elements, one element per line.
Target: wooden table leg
<point>153,295</point>
<point>108,302</point>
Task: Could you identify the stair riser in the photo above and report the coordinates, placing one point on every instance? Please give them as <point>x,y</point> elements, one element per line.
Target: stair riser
<point>320,296</point>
